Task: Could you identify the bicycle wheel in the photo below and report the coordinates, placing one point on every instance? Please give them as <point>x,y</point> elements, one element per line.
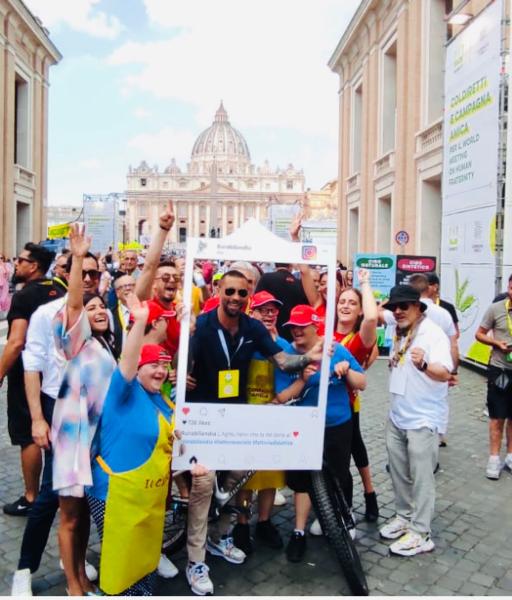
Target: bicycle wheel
<point>332,511</point>
<point>175,527</point>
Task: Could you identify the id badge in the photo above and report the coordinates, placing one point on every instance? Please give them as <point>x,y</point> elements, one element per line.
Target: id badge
<point>397,380</point>
<point>229,382</point>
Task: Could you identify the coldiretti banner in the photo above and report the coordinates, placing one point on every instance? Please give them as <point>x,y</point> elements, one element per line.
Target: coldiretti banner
<point>382,269</point>
<point>470,168</point>
<point>58,231</point>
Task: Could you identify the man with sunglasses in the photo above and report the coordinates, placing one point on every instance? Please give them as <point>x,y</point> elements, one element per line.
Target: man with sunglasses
<point>420,368</point>
<point>31,265</point>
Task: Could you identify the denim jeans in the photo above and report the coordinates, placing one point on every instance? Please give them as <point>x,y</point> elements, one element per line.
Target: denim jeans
<point>44,509</point>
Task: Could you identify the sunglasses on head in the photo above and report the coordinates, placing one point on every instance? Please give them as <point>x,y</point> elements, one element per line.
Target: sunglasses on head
<point>91,273</point>
<point>231,291</point>
<point>401,306</point>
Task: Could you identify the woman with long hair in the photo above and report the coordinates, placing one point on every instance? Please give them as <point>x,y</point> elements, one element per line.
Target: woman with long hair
<point>5,275</point>
<point>82,335</point>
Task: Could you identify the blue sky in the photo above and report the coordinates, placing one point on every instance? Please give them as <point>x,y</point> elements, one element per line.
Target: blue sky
<point>140,79</point>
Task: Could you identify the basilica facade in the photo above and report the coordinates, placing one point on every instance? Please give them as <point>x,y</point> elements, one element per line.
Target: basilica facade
<point>219,189</point>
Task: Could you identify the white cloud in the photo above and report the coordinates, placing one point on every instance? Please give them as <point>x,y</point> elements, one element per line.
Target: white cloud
<point>141,113</point>
<point>78,15</point>
<point>160,146</point>
<point>267,60</point>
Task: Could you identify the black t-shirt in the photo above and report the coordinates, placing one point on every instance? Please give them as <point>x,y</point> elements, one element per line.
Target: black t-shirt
<point>285,287</point>
<point>209,356</point>
<point>24,304</point>
<point>451,309</point>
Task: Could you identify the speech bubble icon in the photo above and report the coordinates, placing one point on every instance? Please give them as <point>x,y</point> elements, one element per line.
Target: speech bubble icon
<point>222,411</point>
<point>185,410</point>
<point>203,412</point>
<point>314,414</point>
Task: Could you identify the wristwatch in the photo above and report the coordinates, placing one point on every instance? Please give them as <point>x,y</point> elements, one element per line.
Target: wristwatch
<point>424,366</point>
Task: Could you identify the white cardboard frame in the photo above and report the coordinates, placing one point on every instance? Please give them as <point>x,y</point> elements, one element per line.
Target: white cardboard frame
<point>244,436</point>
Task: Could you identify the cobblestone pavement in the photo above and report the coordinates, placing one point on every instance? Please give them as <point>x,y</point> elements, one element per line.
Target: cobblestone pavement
<point>471,529</point>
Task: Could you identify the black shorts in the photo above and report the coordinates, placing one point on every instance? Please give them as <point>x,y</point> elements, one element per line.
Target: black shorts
<point>337,447</point>
<point>19,421</point>
<point>499,401</point>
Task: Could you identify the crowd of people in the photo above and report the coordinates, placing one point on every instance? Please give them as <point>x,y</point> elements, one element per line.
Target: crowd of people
<point>91,362</point>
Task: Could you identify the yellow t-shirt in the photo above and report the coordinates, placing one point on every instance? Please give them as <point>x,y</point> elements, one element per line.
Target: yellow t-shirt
<point>196,300</point>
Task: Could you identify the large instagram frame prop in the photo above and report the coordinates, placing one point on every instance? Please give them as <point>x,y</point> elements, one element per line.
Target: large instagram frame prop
<point>248,436</point>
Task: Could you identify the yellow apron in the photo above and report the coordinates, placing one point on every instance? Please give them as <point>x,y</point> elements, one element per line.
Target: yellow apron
<point>134,517</point>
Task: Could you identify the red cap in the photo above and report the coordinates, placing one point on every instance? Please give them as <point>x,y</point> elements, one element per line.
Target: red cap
<point>211,304</point>
<point>303,315</point>
<point>262,298</point>
<point>155,312</point>
<point>152,353</point>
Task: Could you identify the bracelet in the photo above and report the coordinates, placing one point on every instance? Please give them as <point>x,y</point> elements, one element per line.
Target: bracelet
<point>165,228</point>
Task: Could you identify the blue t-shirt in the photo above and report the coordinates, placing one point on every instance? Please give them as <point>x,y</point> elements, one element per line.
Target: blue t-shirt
<point>128,429</point>
<point>338,403</point>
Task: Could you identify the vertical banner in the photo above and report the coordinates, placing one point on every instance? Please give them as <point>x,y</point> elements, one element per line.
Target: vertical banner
<point>470,167</point>
<point>101,221</point>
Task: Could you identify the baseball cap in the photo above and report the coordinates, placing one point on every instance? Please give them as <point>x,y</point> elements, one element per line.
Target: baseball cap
<point>152,353</point>
<point>155,312</point>
<point>263,297</point>
<point>303,315</point>
<point>217,276</point>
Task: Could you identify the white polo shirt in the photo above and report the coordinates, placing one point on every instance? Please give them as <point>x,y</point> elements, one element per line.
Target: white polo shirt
<point>417,400</point>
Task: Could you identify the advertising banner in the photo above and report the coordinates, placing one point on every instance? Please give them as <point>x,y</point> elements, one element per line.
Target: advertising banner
<point>407,265</point>
<point>100,221</point>
<point>470,168</point>
<point>58,231</point>
<point>382,269</point>
<point>280,217</point>
<point>223,434</point>
<point>319,232</point>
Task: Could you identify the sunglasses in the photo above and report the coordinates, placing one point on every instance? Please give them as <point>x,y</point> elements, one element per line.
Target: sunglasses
<point>232,291</point>
<point>166,277</point>
<point>126,286</point>
<point>401,306</point>
<point>91,273</point>
<point>22,258</point>
<point>267,311</point>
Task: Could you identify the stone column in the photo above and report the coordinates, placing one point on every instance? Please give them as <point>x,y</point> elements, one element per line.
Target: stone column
<point>196,219</point>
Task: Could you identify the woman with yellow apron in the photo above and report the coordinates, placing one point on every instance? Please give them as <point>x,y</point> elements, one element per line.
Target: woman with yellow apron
<point>132,466</point>
<point>265,384</point>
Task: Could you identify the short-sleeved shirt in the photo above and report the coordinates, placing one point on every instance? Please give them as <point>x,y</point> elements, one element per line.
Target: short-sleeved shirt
<point>286,288</point>
<point>128,429</point>
<point>451,309</point>
<point>24,304</point>
<point>172,340</point>
<point>338,403</point>
<point>495,318</point>
<point>209,357</point>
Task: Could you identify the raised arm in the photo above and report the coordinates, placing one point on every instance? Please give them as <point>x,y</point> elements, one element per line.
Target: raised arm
<point>131,350</point>
<point>79,245</point>
<point>368,329</point>
<point>146,278</point>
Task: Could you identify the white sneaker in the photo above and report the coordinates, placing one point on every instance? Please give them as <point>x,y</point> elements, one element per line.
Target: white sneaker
<point>90,570</point>
<point>316,528</point>
<point>166,568</point>
<point>508,462</point>
<point>226,549</point>
<point>22,583</point>
<point>412,543</point>
<point>494,467</point>
<point>394,529</point>
<point>279,499</point>
<point>198,579</point>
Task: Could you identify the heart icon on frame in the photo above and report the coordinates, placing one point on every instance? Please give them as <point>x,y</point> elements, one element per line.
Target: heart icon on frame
<point>185,410</point>
<point>295,434</point>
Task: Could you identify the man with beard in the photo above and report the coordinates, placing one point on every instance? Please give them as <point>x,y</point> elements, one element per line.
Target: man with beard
<point>31,266</point>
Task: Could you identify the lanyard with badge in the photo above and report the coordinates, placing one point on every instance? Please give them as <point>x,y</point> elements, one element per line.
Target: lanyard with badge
<point>508,308</point>
<point>229,379</point>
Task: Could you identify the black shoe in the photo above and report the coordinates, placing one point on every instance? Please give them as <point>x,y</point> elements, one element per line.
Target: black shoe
<point>296,547</point>
<point>442,444</point>
<point>372,508</point>
<point>241,535</point>
<point>436,469</point>
<point>268,534</point>
<point>387,467</point>
<point>20,508</point>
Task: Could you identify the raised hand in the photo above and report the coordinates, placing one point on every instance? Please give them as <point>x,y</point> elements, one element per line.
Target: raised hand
<point>139,310</point>
<point>167,218</point>
<point>295,226</point>
<point>79,243</point>
<point>363,276</point>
